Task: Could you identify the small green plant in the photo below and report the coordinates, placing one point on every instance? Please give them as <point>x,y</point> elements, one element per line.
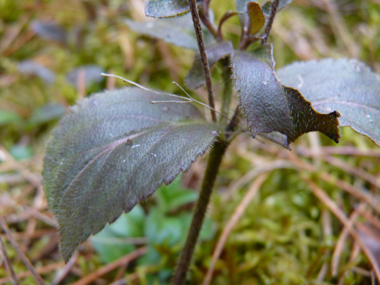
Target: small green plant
<point>116,148</point>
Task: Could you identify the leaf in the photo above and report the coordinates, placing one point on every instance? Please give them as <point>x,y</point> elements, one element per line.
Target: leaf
<point>241,5</point>
<point>256,16</point>
<point>165,8</point>
<point>173,196</point>
<point>345,85</point>
<point>111,243</point>
<point>44,114</point>
<point>195,78</point>
<point>113,150</point>
<point>91,74</point>
<point>33,68</point>
<point>176,31</point>
<point>271,107</point>
<point>267,6</point>
<point>9,117</point>
<point>49,31</point>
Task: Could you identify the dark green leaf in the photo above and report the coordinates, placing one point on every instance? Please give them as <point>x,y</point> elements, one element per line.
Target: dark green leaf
<point>115,149</point>
<point>345,85</point>
<point>271,107</point>
<point>47,113</point>
<point>166,8</point>
<point>195,78</point>
<point>176,31</point>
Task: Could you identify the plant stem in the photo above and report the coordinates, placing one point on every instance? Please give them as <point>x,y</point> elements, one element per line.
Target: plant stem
<point>268,27</point>
<point>213,164</point>
<point>203,54</point>
<point>227,91</point>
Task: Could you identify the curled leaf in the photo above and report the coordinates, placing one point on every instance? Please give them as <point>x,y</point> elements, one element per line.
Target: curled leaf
<point>345,85</point>
<point>195,78</point>
<point>113,150</point>
<point>270,106</point>
<point>165,8</point>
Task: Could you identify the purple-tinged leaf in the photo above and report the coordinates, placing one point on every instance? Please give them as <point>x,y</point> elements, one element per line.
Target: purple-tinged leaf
<point>113,150</point>
<point>33,68</point>
<point>195,78</point>
<point>177,31</point>
<point>50,31</point>
<point>166,8</point>
<point>90,72</point>
<point>345,85</point>
<point>271,107</point>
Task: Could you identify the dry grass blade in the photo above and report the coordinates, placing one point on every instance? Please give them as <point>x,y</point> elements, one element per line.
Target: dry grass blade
<point>352,170</point>
<point>8,264</point>
<point>240,209</point>
<point>65,270</point>
<point>334,150</point>
<point>333,207</point>
<point>277,164</point>
<point>364,196</point>
<point>40,270</point>
<point>342,238</point>
<point>20,254</point>
<point>354,254</point>
<point>112,266</point>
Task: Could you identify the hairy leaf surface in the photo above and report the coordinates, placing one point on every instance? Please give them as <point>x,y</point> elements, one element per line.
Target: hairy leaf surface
<point>345,85</point>
<point>178,31</point>
<point>165,8</point>
<point>271,107</point>
<point>113,150</point>
<point>195,78</point>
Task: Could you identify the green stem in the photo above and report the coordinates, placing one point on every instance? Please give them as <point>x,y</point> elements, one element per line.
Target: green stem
<point>213,164</point>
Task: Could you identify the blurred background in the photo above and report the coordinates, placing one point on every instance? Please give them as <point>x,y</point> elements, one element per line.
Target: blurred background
<point>52,54</point>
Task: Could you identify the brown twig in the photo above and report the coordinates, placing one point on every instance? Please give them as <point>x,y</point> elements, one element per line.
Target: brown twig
<point>65,270</point>
<point>112,266</point>
<point>20,254</point>
<point>203,54</point>
<point>268,27</point>
<point>239,211</point>
<point>339,246</point>
<point>8,264</point>
<point>333,207</point>
<point>40,270</point>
